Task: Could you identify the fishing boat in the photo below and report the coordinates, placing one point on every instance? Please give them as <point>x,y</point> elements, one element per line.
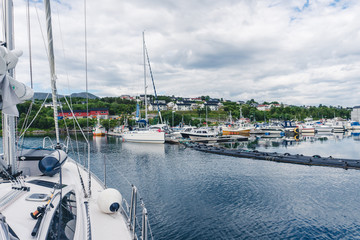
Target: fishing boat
<point>237,129</point>
<point>240,127</point>
<point>44,193</point>
<point>99,130</point>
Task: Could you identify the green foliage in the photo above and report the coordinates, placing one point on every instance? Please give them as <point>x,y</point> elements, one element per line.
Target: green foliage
<point>206,98</point>
<point>124,107</point>
<point>166,98</point>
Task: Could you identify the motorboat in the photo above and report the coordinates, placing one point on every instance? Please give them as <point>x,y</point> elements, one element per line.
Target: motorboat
<point>200,132</point>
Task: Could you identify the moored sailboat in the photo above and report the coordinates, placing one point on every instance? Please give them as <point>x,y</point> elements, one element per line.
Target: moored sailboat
<point>145,134</point>
<point>44,194</point>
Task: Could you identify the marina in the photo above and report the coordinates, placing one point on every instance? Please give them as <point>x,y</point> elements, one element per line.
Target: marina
<point>250,132</point>
<point>198,195</point>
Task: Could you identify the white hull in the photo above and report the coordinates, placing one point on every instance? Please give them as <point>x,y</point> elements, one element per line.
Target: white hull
<point>144,136</point>
<point>307,130</point>
<point>271,131</point>
<point>103,226</point>
<point>99,132</point>
<point>323,129</point>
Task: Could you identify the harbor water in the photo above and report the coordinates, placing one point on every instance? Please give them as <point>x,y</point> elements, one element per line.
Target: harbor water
<point>196,195</point>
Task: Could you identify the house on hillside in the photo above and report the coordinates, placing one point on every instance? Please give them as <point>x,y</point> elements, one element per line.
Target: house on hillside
<point>170,105</point>
<point>142,98</point>
<point>51,104</point>
<point>193,104</point>
<point>212,105</point>
<point>195,99</point>
<point>263,107</point>
<point>182,107</point>
<point>127,97</point>
<point>154,106</point>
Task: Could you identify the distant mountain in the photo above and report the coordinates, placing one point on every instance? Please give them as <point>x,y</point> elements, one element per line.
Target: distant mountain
<point>42,96</point>
<point>83,95</point>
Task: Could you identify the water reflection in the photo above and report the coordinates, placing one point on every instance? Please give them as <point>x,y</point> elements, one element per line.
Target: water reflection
<point>196,195</point>
<point>332,144</point>
<point>98,142</point>
<point>144,149</point>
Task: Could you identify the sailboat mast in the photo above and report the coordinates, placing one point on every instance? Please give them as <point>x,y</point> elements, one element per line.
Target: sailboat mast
<point>146,114</point>
<point>52,68</point>
<point>9,120</point>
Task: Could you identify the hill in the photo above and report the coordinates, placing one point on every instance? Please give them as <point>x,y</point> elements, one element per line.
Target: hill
<point>42,96</point>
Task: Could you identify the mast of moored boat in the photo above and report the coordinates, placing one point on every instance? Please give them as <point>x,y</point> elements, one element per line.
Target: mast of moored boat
<point>9,120</point>
<point>146,114</point>
<point>52,69</point>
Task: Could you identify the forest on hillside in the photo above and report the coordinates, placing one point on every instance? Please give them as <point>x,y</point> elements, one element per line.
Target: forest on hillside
<point>125,109</point>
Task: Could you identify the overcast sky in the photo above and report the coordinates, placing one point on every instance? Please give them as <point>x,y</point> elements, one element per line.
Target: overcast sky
<point>292,51</point>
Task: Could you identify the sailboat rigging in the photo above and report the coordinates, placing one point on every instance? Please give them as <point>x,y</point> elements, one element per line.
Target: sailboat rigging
<point>152,77</point>
<point>46,183</point>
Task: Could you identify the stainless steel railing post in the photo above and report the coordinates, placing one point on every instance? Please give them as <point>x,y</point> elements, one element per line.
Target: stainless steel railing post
<point>132,214</point>
<point>144,224</point>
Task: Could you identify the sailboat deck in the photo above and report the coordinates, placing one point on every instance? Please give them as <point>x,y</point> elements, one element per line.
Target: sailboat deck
<point>17,211</point>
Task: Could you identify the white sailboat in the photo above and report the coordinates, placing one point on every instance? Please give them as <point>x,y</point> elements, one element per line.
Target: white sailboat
<point>145,135</point>
<point>44,194</point>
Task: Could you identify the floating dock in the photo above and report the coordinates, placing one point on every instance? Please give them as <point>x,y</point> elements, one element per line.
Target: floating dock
<point>315,160</point>
<point>231,138</point>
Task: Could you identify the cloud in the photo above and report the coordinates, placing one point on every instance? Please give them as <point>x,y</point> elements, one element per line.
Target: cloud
<point>295,52</point>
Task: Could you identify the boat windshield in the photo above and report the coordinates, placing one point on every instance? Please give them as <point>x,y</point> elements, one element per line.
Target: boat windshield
<point>64,219</point>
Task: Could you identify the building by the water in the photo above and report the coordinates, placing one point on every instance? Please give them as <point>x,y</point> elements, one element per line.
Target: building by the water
<point>102,113</point>
<point>355,114</point>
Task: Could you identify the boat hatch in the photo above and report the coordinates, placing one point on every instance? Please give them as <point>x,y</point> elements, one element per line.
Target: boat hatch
<point>38,197</point>
<point>47,184</point>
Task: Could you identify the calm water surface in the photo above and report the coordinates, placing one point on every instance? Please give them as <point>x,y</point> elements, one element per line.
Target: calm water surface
<point>196,195</point>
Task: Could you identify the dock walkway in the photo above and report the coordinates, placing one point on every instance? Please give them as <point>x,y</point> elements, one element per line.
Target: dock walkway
<point>280,157</point>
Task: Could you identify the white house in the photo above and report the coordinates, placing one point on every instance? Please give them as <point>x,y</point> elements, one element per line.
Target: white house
<point>263,107</point>
<point>154,107</point>
<point>213,106</point>
<point>170,105</point>
<point>182,107</point>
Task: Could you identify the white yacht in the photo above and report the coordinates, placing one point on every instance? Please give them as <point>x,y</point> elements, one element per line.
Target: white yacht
<point>144,136</point>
